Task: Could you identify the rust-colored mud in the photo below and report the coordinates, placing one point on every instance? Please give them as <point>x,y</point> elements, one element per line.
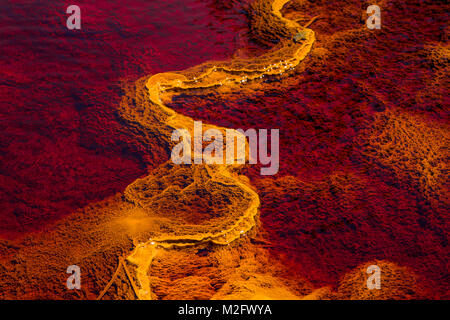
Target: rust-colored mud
<point>363,172</point>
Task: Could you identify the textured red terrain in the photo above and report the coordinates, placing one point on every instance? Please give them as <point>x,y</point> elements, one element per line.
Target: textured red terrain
<point>330,208</point>
<point>62,144</point>
<point>363,127</point>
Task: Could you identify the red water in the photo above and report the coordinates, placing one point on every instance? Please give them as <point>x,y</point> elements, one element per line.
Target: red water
<point>316,228</point>
<point>61,145</point>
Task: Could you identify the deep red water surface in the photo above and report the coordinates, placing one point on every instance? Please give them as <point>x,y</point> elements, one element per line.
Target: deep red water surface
<point>325,213</point>
<point>60,143</point>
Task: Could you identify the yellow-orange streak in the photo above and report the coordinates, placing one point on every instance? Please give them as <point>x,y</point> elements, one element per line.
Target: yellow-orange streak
<point>213,76</point>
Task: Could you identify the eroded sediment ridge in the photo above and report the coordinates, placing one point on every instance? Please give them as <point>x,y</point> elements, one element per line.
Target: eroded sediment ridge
<point>227,74</point>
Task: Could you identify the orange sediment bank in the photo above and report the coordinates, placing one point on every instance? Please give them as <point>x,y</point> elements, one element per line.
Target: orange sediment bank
<point>363,174</point>
<point>224,74</point>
